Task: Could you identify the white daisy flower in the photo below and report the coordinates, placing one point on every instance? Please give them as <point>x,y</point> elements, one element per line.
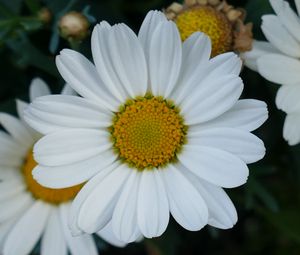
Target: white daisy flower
<point>279,61</point>
<point>29,211</point>
<point>159,129</point>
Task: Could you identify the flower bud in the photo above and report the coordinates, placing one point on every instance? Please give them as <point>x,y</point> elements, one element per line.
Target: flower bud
<point>74,26</point>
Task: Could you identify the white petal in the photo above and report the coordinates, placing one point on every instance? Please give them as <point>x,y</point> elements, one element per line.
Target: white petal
<point>287,98</point>
<point>107,235</point>
<point>59,112</point>
<point>287,17</point>
<point>246,114</point>
<point>53,240</point>
<point>82,76</point>
<point>82,196</point>
<point>186,204</point>
<point>124,219</point>
<point>297,3</point>
<point>38,88</point>
<point>22,241</point>
<point>196,51</point>
<point>78,245</point>
<point>152,205</point>
<point>278,35</point>
<point>211,98</point>
<point>97,209</point>
<point>226,63</point>
<point>12,187</point>
<point>102,51</point>
<point>67,90</point>
<point>127,60</point>
<point>73,174</point>
<point>291,128</point>
<point>17,129</point>
<point>11,153</point>
<point>219,66</point>
<point>243,144</point>
<point>9,173</point>
<point>70,146</point>
<point>5,227</point>
<point>21,106</point>
<point>150,23</point>
<point>222,213</point>
<point>279,69</point>
<point>259,48</point>
<point>12,207</point>
<point>215,166</point>
<point>164,59</point>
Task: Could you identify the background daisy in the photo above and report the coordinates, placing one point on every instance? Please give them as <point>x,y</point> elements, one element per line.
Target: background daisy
<point>278,61</point>
<point>28,210</point>
<point>146,145</point>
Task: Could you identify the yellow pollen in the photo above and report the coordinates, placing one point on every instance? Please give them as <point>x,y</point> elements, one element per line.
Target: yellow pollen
<point>148,132</point>
<point>53,196</point>
<point>208,20</point>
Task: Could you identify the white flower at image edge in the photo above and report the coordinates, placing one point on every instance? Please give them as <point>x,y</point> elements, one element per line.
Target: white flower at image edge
<point>28,211</point>
<point>159,129</point>
<point>279,61</point>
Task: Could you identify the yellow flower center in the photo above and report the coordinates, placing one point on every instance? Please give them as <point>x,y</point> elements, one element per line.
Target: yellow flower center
<point>148,132</point>
<point>208,20</point>
<point>53,196</point>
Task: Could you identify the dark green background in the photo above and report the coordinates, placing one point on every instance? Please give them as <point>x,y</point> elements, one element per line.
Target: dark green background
<point>268,205</point>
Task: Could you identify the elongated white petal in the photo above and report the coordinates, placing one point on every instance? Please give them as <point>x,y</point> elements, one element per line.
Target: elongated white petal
<point>222,213</point>
<point>287,17</point>
<point>278,35</point>
<point>70,146</point>
<point>246,114</point>
<point>108,235</point>
<point>279,68</point>
<point>196,51</point>
<point>164,59</point>
<point>186,204</point>
<point>81,74</point>
<point>150,23</point>
<point>5,227</point>
<point>12,207</point>
<point>124,219</point>
<point>19,239</point>
<point>58,112</point>
<point>287,98</point>
<point>291,130</point>
<point>78,245</point>
<point>12,187</point>
<point>211,98</point>
<point>59,176</point>
<point>259,48</point>
<point>297,3</point>
<point>17,129</point>
<point>97,209</point>
<point>67,90</point>
<point>53,240</point>
<point>243,144</point>
<point>214,165</point>
<point>9,173</point>
<point>227,63</point>
<point>83,195</point>
<point>103,60</point>
<point>38,88</point>
<point>152,204</point>
<point>127,59</point>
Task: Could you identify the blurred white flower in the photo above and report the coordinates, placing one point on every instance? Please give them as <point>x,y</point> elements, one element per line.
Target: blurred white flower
<point>279,61</point>
<point>159,129</point>
<point>29,211</point>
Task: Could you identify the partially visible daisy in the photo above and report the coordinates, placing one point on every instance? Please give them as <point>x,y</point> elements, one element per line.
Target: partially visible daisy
<point>223,23</point>
<point>279,61</point>
<point>29,211</point>
<point>159,129</point>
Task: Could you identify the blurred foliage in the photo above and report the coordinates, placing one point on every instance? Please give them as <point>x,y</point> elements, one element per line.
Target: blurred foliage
<point>268,205</point>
